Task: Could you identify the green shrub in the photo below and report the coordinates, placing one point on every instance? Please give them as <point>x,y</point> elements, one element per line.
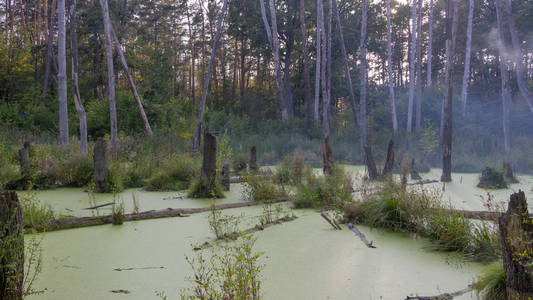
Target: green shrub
<point>260,188</point>
<point>174,173</point>
<point>36,214</point>
<point>240,163</point>
<point>321,191</point>
<point>78,170</point>
<point>491,283</point>
<point>451,232</point>
<point>195,190</point>
<point>162,181</point>
<point>9,174</point>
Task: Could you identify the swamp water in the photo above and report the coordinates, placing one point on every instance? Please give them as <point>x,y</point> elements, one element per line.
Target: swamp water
<point>304,259</point>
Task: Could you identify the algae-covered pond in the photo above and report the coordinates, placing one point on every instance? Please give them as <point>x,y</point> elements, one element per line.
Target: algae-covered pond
<point>304,259</point>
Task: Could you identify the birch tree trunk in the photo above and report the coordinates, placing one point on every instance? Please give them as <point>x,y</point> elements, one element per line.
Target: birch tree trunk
<point>430,42</point>
<point>307,79</point>
<point>389,66</point>
<point>411,73</point>
<point>62,74</point>
<point>447,116</point>
<point>75,88</point>
<point>318,62</point>
<point>362,105</point>
<point>49,52</point>
<point>418,120</point>
<point>466,74</point>
<point>349,84</point>
<point>520,72</point>
<point>504,74</point>
<point>110,75</point>
<point>197,132</point>
<point>277,65</point>
<point>265,21</point>
<point>140,108</point>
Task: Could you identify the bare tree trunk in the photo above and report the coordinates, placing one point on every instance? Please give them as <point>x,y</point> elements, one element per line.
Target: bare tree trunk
<point>265,22</point>
<point>323,75</point>
<point>430,42</point>
<point>49,52</point>
<point>520,72</point>
<point>62,74</point>
<point>504,75</point>
<point>75,88</point>
<point>447,130</point>
<point>362,107</point>
<point>193,57</point>
<point>466,74</point>
<point>110,75</point>
<point>197,132</point>
<point>411,74</point>
<point>418,120</point>
<point>327,102</point>
<point>307,79</point>
<point>349,84</point>
<point>140,108</point>
<point>318,62</point>
<point>289,104</point>
<point>389,65</point>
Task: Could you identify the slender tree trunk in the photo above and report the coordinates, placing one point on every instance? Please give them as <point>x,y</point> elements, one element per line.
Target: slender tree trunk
<point>318,59</point>
<point>328,63</point>
<point>412,54</point>
<point>466,74</point>
<point>197,132</point>
<point>62,74</point>
<point>349,84</point>
<point>389,65</point>
<point>362,107</point>
<point>110,75</point>
<point>307,79</point>
<point>520,72</point>
<point>430,42</point>
<point>49,52</point>
<point>323,74</point>
<point>418,120</point>
<point>504,75</point>
<point>140,107</point>
<point>193,57</point>
<point>243,72</point>
<point>75,88</point>
<point>265,22</point>
<point>447,130</point>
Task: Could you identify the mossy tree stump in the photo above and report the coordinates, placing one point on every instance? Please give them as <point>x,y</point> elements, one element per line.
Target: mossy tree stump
<point>100,160</point>
<point>492,179</point>
<point>508,173</point>
<point>11,247</point>
<point>225,176</point>
<point>516,230</point>
<point>207,183</point>
<point>253,159</point>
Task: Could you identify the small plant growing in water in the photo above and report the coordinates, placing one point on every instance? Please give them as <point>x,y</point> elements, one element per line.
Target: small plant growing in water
<point>117,211</point>
<point>223,226</point>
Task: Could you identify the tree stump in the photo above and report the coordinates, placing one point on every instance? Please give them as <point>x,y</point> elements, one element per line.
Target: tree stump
<point>492,179</point>
<point>516,232</point>
<point>405,168</point>
<point>413,171</point>
<point>207,184</point>
<point>253,159</point>
<point>389,163</point>
<point>508,173</point>
<point>100,160</point>
<point>24,159</point>
<point>225,176</point>
<point>327,158</point>
<point>12,247</point>
<point>370,164</point>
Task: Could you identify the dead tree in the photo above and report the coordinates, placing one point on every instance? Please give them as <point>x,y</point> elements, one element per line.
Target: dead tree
<point>362,53</point>
<point>413,170</point>
<point>307,78</point>
<point>447,116</point>
<point>316,109</point>
<point>12,247</point>
<point>207,183</point>
<point>508,173</point>
<point>62,74</point>
<point>389,69</point>
<point>466,73</point>
<point>370,164</point>
<point>430,42</point>
<point>49,53</point>
<point>516,231</point>
<point>225,174</point>
<point>100,161</point>
<point>389,163</point>
<point>24,160</point>
<point>253,159</point>
<point>327,158</point>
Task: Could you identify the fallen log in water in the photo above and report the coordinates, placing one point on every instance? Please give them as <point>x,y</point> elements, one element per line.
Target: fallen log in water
<point>445,296</point>
<point>75,222</point>
<point>360,235</point>
<point>331,222</point>
<point>101,205</point>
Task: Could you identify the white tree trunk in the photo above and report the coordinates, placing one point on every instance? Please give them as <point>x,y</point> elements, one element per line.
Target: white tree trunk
<point>318,58</point>
<point>412,55</point>
<point>110,75</point>
<point>504,74</point>
<point>418,120</point>
<point>75,87</point>
<point>323,73</point>
<point>199,122</point>
<point>389,67</point>
<point>62,74</point>
<point>327,98</point>
<point>265,21</point>
<point>430,42</point>
<point>466,74</point>
<point>362,107</point>
<point>277,64</point>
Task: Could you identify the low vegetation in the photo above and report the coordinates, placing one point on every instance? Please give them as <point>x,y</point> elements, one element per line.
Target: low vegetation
<point>490,284</point>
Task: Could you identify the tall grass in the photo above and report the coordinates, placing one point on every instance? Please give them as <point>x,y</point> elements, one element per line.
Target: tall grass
<point>490,285</point>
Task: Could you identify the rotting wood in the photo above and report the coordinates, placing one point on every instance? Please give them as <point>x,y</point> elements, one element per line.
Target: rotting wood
<point>12,252</point>
<point>331,222</point>
<point>137,268</point>
<point>445,296</point>
<point>370,164</point>
<point>413,171</point>
<point>225,178</point>
<point>253,159</point>
<point>101,205</point>
<point>76,222</point>
<point>360,235</point>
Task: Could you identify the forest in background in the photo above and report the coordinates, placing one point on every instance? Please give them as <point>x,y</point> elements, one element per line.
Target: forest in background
<point>259,99</point>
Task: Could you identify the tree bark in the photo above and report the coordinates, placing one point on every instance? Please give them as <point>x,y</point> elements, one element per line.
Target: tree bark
<point>447,116</point>
<point>265,22</point>
<point>362,105</point>
<point>196,139</point>
<point>75,88</point>
<point>209,162</point>
<point>253,159</point>
<point>140,108</point>
<point>193,57</point>
<point>505,82</point>
<point>327,158</point>
<point>516,233</point>
<point>370,164</point>
<point>226,180</point>
<point>418,120</point>
<point>389,163</point>
<point>110,76</point>
<point>12,255</point>
<point>25,169</point>
<point>323,75</point>
<point>277,64</point>
<point>349,84</point>
<point>430,42</point>
<point>307,79</point>
<point>466,74</point>
<point>389,65</point>
<point>327,103</point>
<point>318,62</point>
<point>100,165</point>
<point>412,54</point>
<point>62,74</point>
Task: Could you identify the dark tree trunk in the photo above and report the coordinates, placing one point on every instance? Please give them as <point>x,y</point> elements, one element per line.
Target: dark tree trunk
<point>24,160</point>
<point>226,180</point>
<point>253,159</point>
<point>447,116</point>
<point>327,158</point>
<point>100,161</point>
<point>516,232</point>
<point>508,173</point>
<point>209,163</point>
<point>12,255</point>
<point>307,78</point>
<point>49,53</point>
<point>370,164</point>
<point>389,163</point>
<point>413,170</point>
